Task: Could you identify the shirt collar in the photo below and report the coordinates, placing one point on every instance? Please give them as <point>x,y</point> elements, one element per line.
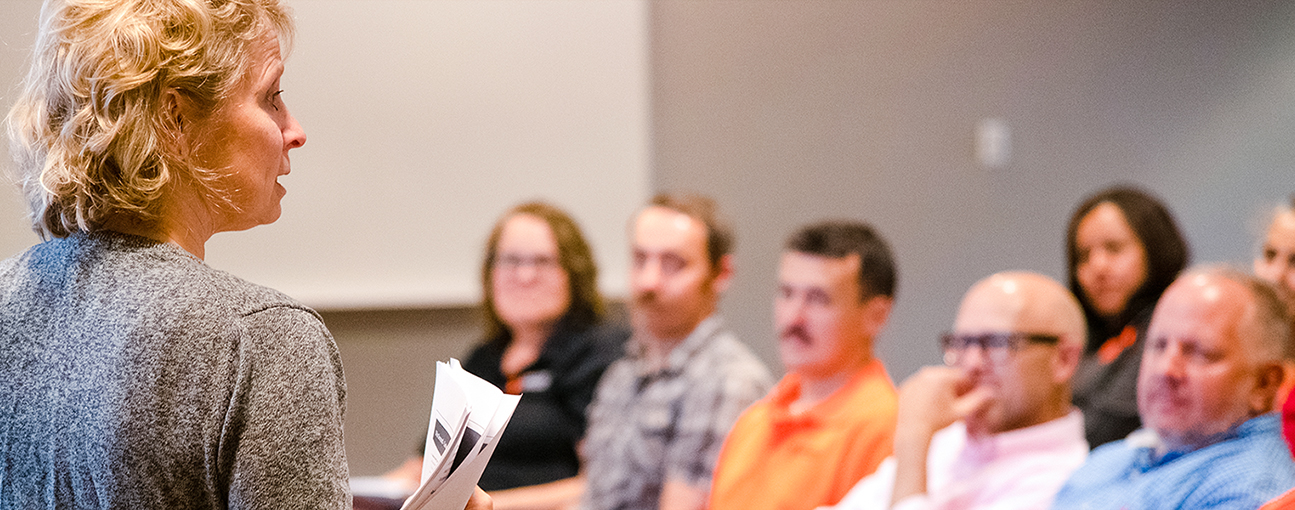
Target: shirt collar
<point>1147,443</point>
<point>680,354</point>
<point>1033,439</point>
<point>788,390</point>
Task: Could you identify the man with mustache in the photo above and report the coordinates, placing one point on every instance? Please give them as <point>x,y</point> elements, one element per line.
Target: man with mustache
<point>1210,371</point>
<point>995,427</point>
<point>661,412</point>
<point>831,419</point>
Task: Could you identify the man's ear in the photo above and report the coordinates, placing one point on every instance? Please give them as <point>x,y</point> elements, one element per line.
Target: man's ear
<point>723,274</point>
<point>1268,378</point>
<point>1066,361</point>
<point>876,312</point>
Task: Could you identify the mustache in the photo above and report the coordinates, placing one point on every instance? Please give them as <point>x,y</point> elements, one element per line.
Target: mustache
<point>645,297</point>
<point>794,331</point>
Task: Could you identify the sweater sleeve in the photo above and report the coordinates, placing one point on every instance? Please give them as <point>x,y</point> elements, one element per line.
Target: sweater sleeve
<point>281,445</point>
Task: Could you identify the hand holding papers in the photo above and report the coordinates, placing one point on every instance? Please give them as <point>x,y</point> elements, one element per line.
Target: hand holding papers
<point>468,414</point>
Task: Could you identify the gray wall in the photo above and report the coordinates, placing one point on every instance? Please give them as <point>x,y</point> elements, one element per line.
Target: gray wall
<point>789,112</point>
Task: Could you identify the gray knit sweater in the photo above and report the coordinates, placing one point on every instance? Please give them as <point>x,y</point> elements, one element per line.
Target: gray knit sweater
<point>133,375</point>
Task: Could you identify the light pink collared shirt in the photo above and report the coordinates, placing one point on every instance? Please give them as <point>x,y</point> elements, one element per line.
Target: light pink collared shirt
<point>1015,470</point>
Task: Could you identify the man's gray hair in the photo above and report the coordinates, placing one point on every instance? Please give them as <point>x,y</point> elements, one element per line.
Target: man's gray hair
<point>1272,311</point>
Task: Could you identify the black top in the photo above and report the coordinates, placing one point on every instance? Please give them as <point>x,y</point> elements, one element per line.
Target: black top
<point>1107,393</point>
<point>539,444</point>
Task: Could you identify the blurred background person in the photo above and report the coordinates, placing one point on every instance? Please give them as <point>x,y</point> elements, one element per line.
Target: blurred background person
<point>1276,259</point>
<point>1210,373</point>
<point>135,375</point>
<point>1276,263</point>
<point>831,420</point>
<point>547,339</point>
<point>1123,248</point>
<point>994,428</point>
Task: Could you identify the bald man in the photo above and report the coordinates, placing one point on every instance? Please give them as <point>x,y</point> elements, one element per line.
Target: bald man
<point>994,428</point>
<point>1210,371</point>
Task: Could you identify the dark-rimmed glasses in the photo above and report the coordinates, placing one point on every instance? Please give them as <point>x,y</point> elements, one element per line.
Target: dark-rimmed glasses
<point>997,347</point>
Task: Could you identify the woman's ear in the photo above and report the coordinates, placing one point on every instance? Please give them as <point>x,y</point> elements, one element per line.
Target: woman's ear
<point>175,110</point>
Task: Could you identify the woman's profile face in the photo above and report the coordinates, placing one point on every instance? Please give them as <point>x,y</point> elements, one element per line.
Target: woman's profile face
<point>529,284</point>
<point>1111,262</point>
<point>247,139</point>
<point>1276,261</point>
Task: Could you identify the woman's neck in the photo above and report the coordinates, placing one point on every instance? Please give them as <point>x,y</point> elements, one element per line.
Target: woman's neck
<point>523,348</point>
<point>183,221</point>
<point>532,335</point>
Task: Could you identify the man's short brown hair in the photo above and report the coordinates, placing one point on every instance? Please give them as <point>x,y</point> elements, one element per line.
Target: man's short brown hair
<point>719,233</point>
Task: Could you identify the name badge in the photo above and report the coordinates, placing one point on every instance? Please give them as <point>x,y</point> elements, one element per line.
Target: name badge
<point>537,381</point>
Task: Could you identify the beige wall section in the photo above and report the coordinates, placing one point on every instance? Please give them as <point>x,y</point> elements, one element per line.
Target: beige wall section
<point>389,359</point>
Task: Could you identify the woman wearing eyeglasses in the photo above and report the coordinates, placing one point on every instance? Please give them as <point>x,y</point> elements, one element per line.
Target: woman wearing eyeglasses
<point>545,338</point>
<point>1123,248</point>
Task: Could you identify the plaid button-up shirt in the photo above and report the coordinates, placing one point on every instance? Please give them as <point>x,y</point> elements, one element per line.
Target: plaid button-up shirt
<point>650,423</point>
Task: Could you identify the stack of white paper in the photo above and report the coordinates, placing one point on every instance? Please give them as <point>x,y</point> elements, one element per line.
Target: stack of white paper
<point>468,414</point>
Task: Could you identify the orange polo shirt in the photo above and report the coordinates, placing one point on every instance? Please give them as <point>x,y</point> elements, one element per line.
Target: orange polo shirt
<point>1284,502</point>
<point>773,460</point>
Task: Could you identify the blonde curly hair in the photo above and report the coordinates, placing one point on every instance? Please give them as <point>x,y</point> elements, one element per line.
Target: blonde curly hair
<point>91,134</point>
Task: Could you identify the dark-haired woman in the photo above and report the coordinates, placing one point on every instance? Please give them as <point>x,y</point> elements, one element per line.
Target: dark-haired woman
<point>1123,248</point>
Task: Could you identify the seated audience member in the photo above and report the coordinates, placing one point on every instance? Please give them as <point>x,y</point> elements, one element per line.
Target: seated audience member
<point>1276,260</point>
<point>546,341</point>
<point>660,413</point>
<point>1276,263</point>
<point>1210,371</point>
<point>1123,248</point>
<point>994,429</point>
<point>831,419</point>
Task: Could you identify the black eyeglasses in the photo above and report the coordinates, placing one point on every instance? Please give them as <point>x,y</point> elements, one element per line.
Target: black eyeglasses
<point>998,347</point>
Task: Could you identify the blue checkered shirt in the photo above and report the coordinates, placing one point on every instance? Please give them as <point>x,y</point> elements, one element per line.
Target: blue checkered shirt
<point>1249,468</point>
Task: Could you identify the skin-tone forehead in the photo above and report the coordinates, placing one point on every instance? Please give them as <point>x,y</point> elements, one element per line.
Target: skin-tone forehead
<point>524,227</point>
<point>1282,226</point>
<point>268,59</point>
<point>1020,301</point>
<point>827,270</point>
<point>1227,306</point>
<point>1210,291</point>
<point>667,226</point>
